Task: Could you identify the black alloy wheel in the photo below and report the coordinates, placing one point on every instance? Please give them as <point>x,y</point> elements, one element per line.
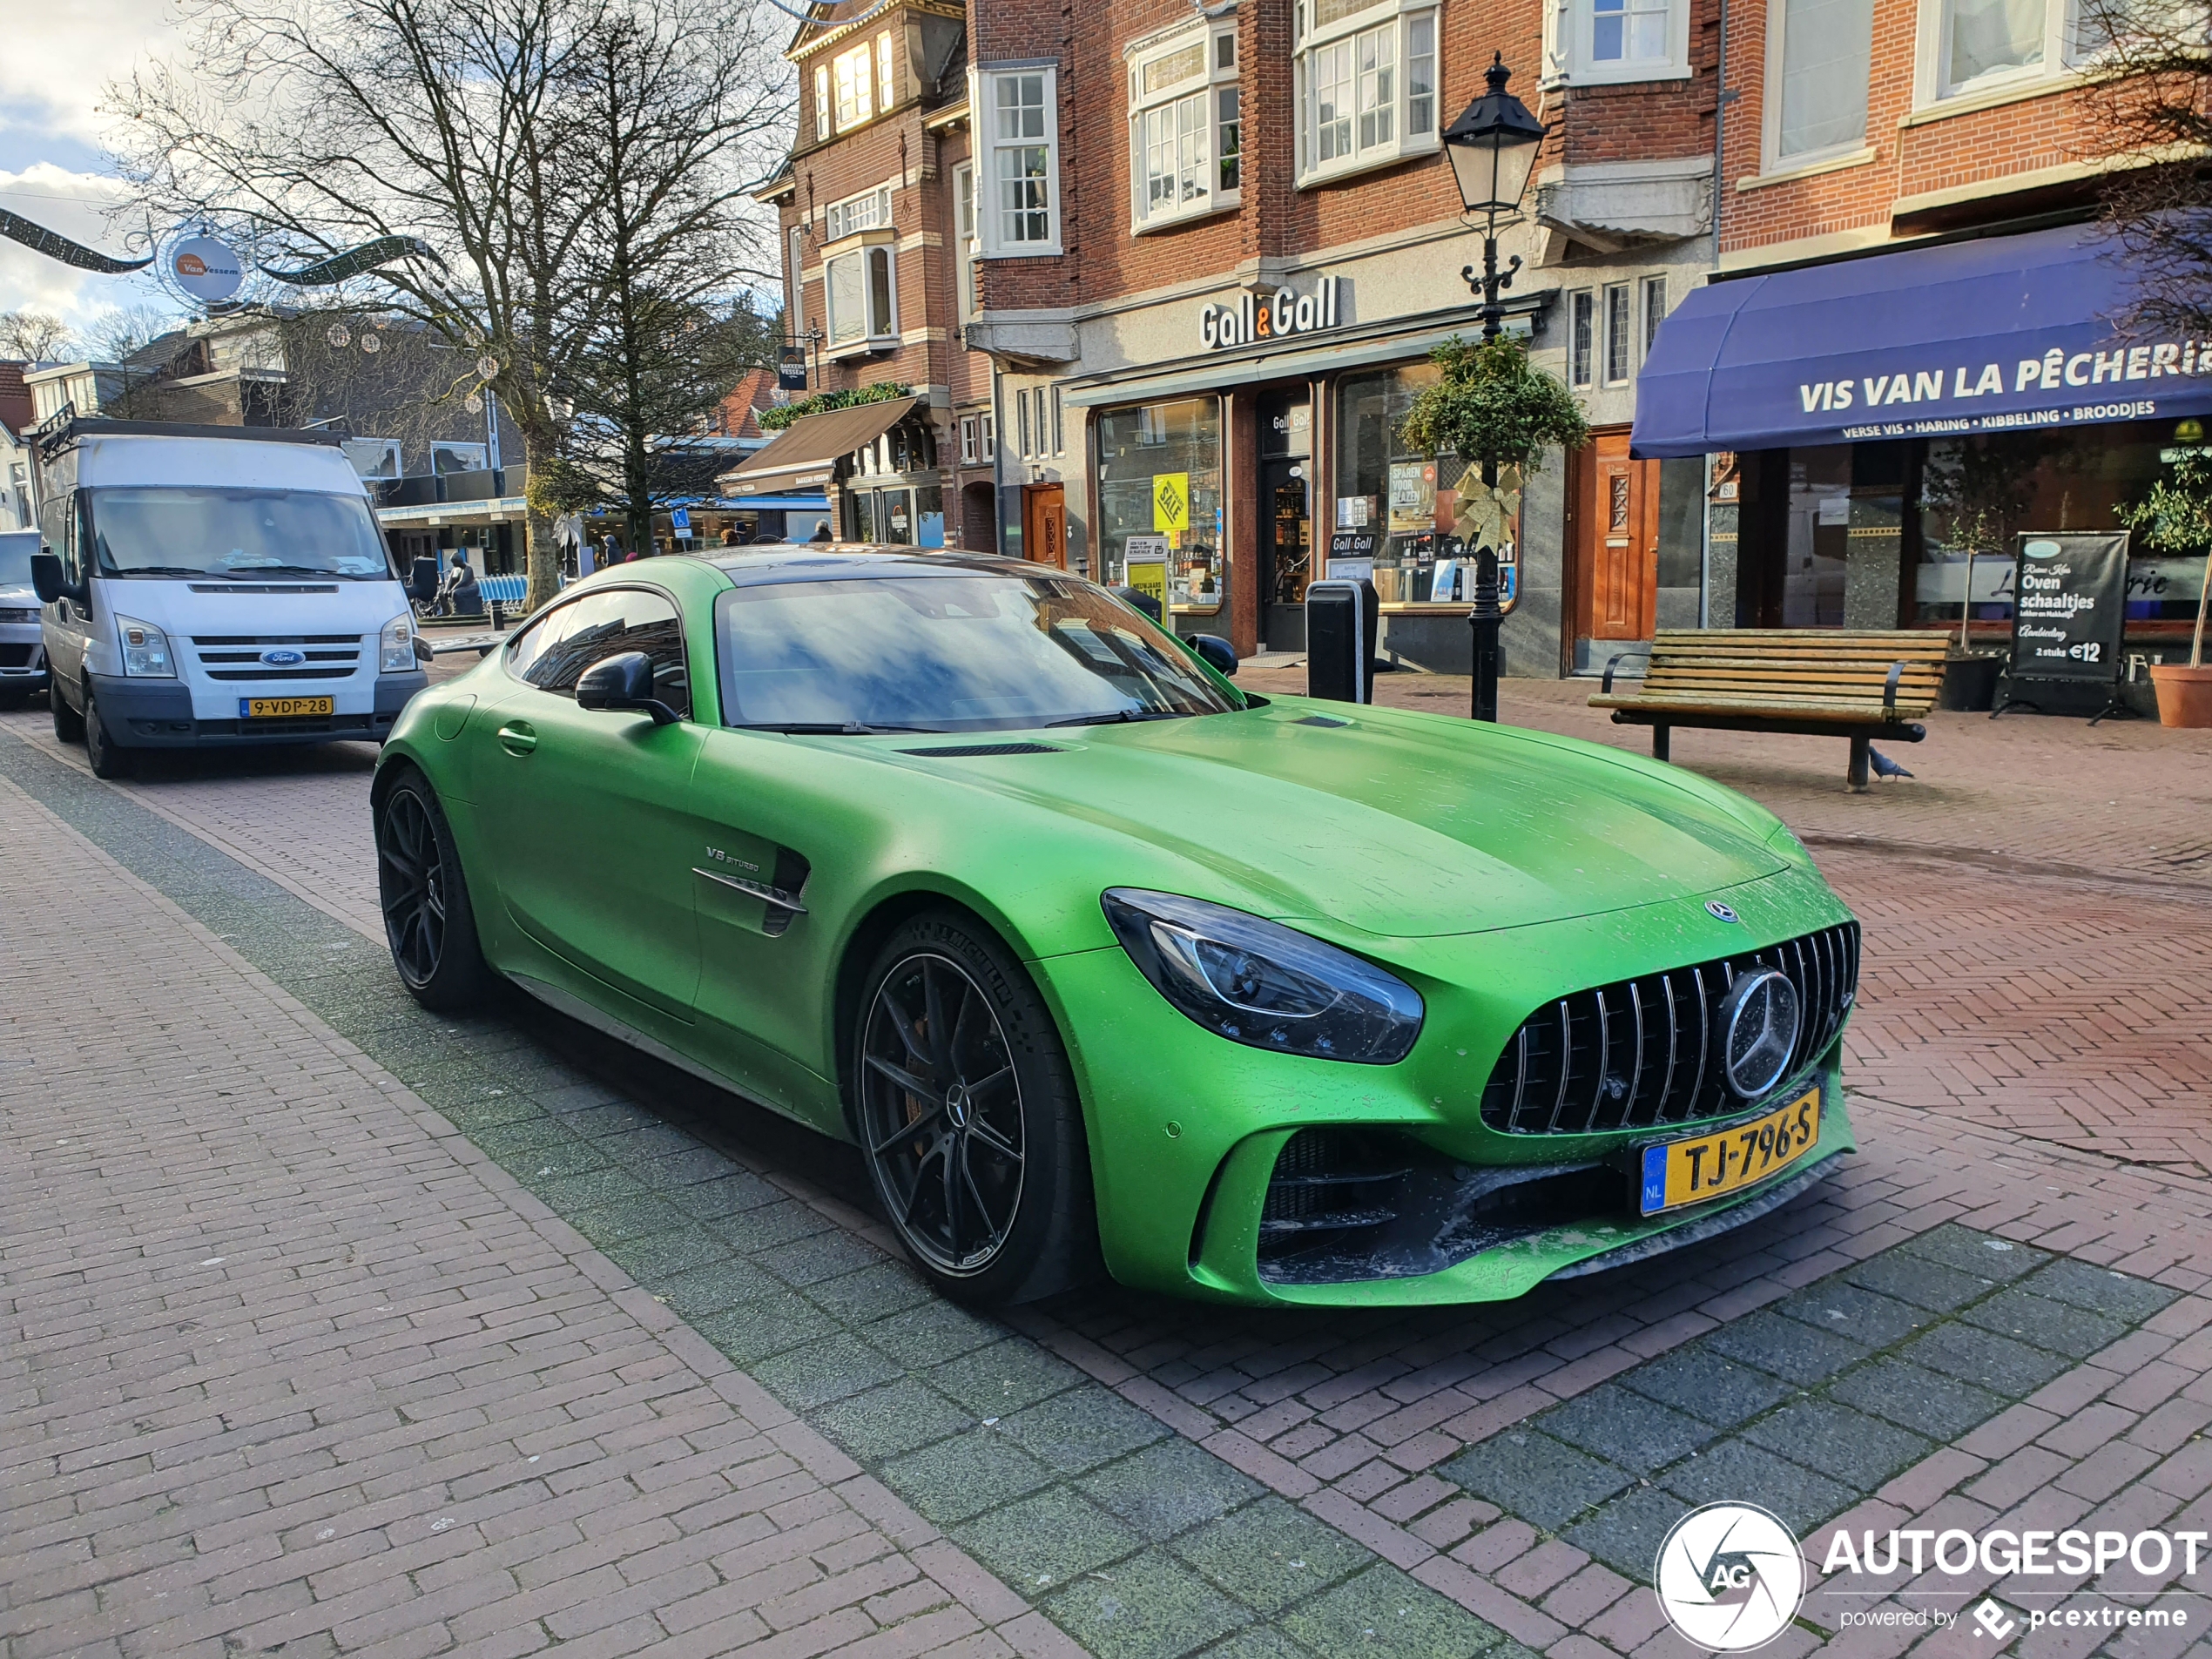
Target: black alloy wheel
<point>943,1111</point>
<point>427,920</point>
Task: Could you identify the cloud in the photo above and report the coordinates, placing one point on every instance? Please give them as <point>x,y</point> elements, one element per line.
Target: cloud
<point>78,206</point>
<point>61,57</point>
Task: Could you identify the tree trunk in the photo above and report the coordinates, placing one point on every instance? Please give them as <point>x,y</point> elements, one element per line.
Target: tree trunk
<point>544,560</point>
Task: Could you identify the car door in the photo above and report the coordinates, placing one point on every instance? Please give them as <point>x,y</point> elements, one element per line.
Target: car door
<point>67,622</point>
<point>581,810</point>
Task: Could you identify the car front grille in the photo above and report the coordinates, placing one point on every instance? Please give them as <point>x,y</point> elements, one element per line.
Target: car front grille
<point>15,656</point>
<point>1641,1052</point>
<point>237,656</point>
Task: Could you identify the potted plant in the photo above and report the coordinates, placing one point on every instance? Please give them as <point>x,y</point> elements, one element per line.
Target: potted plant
<point>1981,488</point>
<point>1495,410</point>
<point>2176,517</point>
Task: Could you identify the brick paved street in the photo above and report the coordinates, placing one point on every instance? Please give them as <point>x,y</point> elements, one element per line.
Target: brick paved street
<point>1997,1311</point>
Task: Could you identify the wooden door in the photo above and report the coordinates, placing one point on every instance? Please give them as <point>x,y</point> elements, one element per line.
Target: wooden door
<point>1044,523</point>
<point>1616,537</point>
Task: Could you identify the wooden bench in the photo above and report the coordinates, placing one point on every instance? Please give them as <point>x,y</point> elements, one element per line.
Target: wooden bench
<point>1813,682</point>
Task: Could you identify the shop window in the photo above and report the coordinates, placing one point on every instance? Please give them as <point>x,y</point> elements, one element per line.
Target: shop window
<point>1820,57</point>
<point>854,75</point>
<point>1407,503</point>
<point>822,125</point>
<point>869,211</point>
<point>1654,309</point>
<point>1620,335</point>
<point>1582,336</point>
<point>1184,143</point>
<point>964,237</point>
<point>1157,461</point>
<point>1021,130</point>
<point>861,295</point>
<point>1587,42</point>
<point>1366,85</point>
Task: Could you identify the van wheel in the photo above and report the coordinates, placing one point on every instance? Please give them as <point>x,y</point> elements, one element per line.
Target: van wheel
<point>69,725</point>
<point>109,758</point>
<point>429,921</point>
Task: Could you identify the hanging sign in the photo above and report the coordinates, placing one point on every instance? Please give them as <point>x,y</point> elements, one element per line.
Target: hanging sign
<point>2069,611</point>
<point>791,369</point>
<point>1171,502</point>
<point>206,268</point>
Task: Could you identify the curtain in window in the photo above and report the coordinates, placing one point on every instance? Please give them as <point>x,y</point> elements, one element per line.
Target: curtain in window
<point>1827,49</point>
<point>1987,36</point>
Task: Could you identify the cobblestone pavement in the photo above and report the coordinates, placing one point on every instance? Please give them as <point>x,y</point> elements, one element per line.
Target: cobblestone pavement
<point>1994,1310</point>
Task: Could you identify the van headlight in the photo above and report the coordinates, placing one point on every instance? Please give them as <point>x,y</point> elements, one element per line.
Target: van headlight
<point>396,646</point>
<point>1258,982</point>
<point>145,650</point>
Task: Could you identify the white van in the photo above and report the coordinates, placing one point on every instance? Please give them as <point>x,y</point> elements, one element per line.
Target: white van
<point>22,653</point>
<point>215,585</point>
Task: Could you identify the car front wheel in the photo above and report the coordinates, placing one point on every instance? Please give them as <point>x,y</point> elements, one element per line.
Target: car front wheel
<point>967,1116</point>
<point>429,921</point>
<point>108,757</point>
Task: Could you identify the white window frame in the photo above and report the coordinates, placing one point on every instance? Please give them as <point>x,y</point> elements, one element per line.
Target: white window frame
<point>1770,116</point>
<point>992,149</point>
<point>2062,58</point>
<point>971,449</point>
<point>852,76</point>
<point>989,429</point>
<point>825,126</point>
<point>1192,104</point>
<point>795,262</point>
<point>1570,56</point>
<point>877,331</point>
<point>886,72</point>
<point>869,211</point>
<point>1359,50</point>
<point>964,247</point>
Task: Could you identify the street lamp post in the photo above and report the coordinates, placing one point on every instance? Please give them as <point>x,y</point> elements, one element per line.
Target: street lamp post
<point>1493,146</point>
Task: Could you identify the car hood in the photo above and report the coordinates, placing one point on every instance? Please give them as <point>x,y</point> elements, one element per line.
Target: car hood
<point>1396,824</point>
<point>15,597</point>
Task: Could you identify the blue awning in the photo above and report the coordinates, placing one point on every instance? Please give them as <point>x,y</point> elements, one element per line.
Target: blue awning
<point>1999,334</point>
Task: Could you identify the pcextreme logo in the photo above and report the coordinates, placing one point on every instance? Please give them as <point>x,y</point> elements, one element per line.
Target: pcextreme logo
<point>1730,1577</point>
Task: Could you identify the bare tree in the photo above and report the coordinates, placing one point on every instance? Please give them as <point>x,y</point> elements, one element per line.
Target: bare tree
<point>36,336</point>
<point>2147,121</point>
<point>122,331</point>
<point>476,126</point>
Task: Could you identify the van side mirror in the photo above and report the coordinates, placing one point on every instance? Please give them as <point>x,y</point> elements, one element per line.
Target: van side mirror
<point>1217,653</point>
<point>623,684</point>
<point>47,579</point>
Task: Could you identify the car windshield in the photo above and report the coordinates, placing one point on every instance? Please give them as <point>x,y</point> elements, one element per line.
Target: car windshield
<point>949,653</point>
<point>15,557</point>
<point>184,531</point>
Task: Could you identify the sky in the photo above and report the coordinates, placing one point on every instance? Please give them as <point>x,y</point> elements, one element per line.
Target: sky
<point>59,59</point>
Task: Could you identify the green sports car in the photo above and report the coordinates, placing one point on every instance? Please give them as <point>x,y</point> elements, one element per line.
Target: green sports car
<point>1100,961</point>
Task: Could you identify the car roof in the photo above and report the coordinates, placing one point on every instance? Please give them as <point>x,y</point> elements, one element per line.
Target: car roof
<point>848,561</point>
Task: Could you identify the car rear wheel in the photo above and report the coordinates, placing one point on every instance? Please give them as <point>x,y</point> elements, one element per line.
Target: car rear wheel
<point>429,921</point>
<point>967,1116</point>
<point>69,725</point>
<point>109,758</point>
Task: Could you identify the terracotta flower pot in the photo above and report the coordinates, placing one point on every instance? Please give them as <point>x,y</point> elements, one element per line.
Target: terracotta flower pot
<point>2184,693</point>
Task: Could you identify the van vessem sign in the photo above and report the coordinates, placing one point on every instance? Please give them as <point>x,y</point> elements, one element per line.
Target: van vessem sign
<point>2000,334</point>
<point>1256,316</point>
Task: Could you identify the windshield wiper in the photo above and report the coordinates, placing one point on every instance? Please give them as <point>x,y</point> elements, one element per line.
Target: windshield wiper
<point>1117,717</point>
<point>827,728</point>
<point>159,570</point>
<point>255,572</point>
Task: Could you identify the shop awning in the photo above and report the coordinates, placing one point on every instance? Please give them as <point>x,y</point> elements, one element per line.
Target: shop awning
<point>2001,333</point>
<point>806,454</point>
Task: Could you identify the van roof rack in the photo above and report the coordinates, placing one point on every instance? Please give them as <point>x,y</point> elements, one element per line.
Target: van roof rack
<point>58,434</point>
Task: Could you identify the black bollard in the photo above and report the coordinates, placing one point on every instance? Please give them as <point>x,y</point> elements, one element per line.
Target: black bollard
<point>1485,619</point>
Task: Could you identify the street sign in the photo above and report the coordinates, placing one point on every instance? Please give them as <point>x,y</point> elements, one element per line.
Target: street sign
<point>681,521</point>
<point>1171,502</point>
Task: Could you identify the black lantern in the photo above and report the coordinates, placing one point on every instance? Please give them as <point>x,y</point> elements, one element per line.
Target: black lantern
<point>1493,146</point>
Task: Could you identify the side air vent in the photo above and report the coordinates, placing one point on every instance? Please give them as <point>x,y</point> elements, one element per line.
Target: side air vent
<point>988,749</point>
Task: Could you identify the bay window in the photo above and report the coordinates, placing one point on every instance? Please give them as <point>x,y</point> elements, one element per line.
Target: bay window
<point>1186,143</point>
<point>1588,42</point>
<point>1367,84</point>
<point>860,287</point>
<point>871,210</point>
<point>1020,132</point>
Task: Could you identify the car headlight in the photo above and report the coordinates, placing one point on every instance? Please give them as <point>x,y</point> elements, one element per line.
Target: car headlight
<point>1260,983</point>
<point>396,646</point>
<point>145,650</point>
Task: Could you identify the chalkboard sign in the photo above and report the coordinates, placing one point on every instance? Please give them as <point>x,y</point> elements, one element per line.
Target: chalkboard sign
<point>2070,590</point>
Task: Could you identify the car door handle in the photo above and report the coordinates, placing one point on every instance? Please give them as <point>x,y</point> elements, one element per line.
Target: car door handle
<point>518,738</point>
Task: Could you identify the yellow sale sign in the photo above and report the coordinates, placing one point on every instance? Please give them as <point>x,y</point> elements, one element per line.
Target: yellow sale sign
<point>1171,502</point>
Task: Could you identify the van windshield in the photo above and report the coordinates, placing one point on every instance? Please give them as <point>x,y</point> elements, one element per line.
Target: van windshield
<point>184,531</point>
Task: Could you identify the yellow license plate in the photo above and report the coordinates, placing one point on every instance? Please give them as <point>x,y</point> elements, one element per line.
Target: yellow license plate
<point>281,708</point>
<point>1712,1166</point>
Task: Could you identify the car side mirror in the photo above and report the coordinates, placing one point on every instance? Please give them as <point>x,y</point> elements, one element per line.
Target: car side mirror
<point>49,581</point>
<point>1217,653</point>
<point>424,653</point>
<point>623,684</point>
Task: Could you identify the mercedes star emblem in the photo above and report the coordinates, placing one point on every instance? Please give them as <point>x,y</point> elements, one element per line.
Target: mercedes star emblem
<point>1758,1030</point>
<point>1719,911</point>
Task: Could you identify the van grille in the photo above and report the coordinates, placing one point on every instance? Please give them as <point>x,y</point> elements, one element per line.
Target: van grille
<point>237,656</point>
<point>1641,1052</point>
